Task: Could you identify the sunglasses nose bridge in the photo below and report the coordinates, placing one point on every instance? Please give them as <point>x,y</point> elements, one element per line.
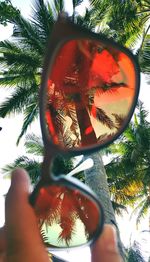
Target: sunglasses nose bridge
<point>49,155</point>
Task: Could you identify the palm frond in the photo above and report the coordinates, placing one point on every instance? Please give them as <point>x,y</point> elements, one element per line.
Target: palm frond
<point>86,21</point>
<point>129,133</point>
<point>19,100</point>
<point>32,167</point>
<point>134,253</point>
<point>43,18</point>
<point>102,117</point>
<point>7,12</point>
<point>59,5</point>
<point>11,80</point>
<point>61,165</point>
<point>56,7</point>
<point>144,56</point>
<point>28,34</point>
<point>142,113</point>
<point>44,237</point>
<point>13,54</point>
<point>143,211</point>
<point>119,120</point>
<point>16,102</point>
<point>118,208</point>
<point>77,3</point>
<point>30,113</point>
<point>100,12</point>
<point>34,145</point>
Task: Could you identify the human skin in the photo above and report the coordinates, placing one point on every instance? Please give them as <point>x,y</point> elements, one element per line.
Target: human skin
<point>20,238</point>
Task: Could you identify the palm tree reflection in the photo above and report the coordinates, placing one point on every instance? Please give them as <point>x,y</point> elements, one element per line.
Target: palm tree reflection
<point>73,212</point>
<point>88,84</point>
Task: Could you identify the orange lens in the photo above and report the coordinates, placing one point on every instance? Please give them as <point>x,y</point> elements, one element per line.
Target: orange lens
<point>90,93</point>
<point>67,217</point>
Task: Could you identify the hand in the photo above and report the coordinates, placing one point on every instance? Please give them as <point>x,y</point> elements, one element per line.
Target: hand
<point>20,239</point>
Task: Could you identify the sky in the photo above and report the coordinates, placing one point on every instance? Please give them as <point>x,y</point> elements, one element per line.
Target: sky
<point>11,129</point>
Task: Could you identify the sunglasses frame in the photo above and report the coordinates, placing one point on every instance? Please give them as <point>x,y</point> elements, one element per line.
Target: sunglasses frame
<point>63,31</point>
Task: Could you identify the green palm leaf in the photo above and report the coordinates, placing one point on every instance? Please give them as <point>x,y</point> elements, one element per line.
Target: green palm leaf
<point>118,208</point>
<point>29,34</point>
<point>32,167</point>
<point>18,56</point>
<point>143,211</point>
<point>19,100</point>
<point>34,145</point>
<point>43,18</point>
<point>134,253</point>
<point>144,56</point>
<point>31,113</point>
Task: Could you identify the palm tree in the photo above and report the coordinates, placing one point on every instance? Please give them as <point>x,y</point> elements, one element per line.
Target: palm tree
<point>22,61</point>
<point>24,57</point>
<point>68,209</point>
<point>7,11</point>
<point>128,23</point>
<point>142,207</point>
<point>134,253</point>
<point>127,20</point>
<point>33,160</point>
<point>33,147</point>
<point>132,184</point>
<point>144,56</point>
<point>96,179</point>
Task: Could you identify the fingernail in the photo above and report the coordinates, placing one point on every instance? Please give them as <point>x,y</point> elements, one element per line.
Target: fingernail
<point>111,239</point>
<point>19,177</point>
<point>15,176</point>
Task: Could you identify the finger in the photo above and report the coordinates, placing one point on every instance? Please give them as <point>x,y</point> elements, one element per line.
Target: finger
<point>2,240</point>
<point>105,249</point>
<point>22,233</point>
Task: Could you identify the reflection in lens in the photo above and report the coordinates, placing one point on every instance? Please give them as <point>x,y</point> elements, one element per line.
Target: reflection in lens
<point>90,92</point>
<point>67,217</point>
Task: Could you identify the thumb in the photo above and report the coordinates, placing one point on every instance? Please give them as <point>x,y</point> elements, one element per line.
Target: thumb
<point>22,234</point>
<point>105,249</point>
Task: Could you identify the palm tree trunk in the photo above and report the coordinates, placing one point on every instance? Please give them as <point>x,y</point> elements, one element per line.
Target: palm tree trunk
<point>96,179</point>
<point>84,122</point>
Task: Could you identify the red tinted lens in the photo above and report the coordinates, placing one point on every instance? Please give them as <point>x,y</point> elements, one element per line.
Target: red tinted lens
<point>90,93</point>
<point>67,217</point>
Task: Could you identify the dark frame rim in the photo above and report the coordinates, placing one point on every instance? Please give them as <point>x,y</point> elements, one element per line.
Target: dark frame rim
<point>70,32</point>
<point>72,183</point>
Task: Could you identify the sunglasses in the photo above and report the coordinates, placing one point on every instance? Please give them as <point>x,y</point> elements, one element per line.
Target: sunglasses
<point>89,91</point>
